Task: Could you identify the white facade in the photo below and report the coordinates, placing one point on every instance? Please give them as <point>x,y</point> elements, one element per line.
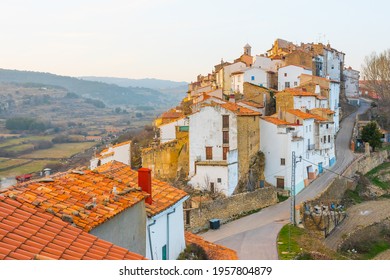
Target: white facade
<point>256,76</point>
<point>165,233</point>
<point>267,63</point>
<point>304,102</point>
<point>205,130</point>
<point>334,103</point>
<point>334,61</point>
<point>351,82</point>
<point>277,142</point>
<point>288,76</point>
<point>120,152</point>
<point>223,77</point>
<point>168,131</point>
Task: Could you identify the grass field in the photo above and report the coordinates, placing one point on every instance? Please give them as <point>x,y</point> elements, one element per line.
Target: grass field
<point>34,166</point>
<point>60,151</point>
<point>21,140</point>
<point>8,163</point>
<point>19,148</point>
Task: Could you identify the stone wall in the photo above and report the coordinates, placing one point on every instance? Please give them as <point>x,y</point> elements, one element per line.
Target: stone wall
<point>228,208</point>
<point>336,189</point>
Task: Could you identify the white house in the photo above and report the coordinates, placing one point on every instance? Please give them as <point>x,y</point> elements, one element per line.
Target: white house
<point>253,75</point>
<point>213,155</point>
<point>288,76</point>
<point>266,63</point>
<point>164,210</point>
<point>351,82</point>
<point>223,76</point>
<point>120,152</point>
<point>168,130</point>
<point>278,139</point>
<point>334,102</point>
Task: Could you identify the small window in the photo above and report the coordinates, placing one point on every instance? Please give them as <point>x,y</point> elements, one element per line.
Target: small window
<point>164,252</point>
<point>212,187</point>
<point>252,78</point>
<point>324,139</point>
<point>225,121</point>
<point>225,150</point>
<point>219,180</point>
<point>295,84</point>
<point>287,84</point>
<point>327,126</point>
<point>282,161</point>
<point>285,74</point>
<point>328,138</point>
<point>225,137</point>
<point>209,153</point>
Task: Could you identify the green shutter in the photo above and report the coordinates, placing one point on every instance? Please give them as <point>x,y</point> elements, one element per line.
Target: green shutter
<point>164,252</point>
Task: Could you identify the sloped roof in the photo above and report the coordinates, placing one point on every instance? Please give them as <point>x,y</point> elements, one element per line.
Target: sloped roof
<point>27,233</point>
<point>324,110</point>
<point>276,121</point>
<point>115,146</point>
<point>239,110</point>
<point>299,92</point>
<point>163,194</point>
<point>213,251</point>
<point>304,115</point>
<point>83,198</point>
<point>172,115</point>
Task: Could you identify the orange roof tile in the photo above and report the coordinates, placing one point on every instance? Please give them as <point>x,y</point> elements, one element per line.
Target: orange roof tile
<point>163,194</point>
<point>252,104</point>
<point>325,110</point>
<point>276,121</point>
<point>213,251</point>
<point>172,115</point>
<point>83,198</point>
<point>321,97</point>
<point>304,115</point>
<point>22,239</point>
<point>299,92</point>
<point>239,110</point>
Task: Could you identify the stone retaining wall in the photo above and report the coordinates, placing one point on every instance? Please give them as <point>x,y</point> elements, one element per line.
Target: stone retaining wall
<point>228,208</point>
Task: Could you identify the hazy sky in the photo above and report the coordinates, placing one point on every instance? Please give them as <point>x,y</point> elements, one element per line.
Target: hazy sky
<point>177,39</point>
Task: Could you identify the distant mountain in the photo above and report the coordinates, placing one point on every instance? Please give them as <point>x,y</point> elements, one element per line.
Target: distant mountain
<point>148,83</point>
<point>110,94</point>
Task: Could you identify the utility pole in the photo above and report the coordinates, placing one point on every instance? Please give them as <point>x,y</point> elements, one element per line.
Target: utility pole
<point>292,191</point>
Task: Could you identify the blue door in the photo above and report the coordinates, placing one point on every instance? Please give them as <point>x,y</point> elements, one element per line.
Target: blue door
<point>320,169</point>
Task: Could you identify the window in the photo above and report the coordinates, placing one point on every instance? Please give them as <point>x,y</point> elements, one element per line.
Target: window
<point>252,78</point>
<point>212,187</point>
<point>324,139</point>
<point>282,161</point>
<point>225,121</point>
<point>306,129</point>
<point>164,252</point>
<point>285,74</point>
<point>328,138</point>
<point>280,183</point>
<point>327,126</point>
<point>295,84</point>
<point>287,84</point>
<point>209,153</point>
<point>310,128</point>
<point>225,137</point>
<point>219,180</point>
<point>225,150</point>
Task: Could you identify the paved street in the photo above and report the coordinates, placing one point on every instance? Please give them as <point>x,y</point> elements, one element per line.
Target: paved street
<point>254,236</point>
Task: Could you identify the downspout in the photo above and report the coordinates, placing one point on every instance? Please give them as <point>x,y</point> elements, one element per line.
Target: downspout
<point>150,238</point>
<point>174,210</point>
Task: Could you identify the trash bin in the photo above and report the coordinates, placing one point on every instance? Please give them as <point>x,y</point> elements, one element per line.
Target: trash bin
<point>214,223</point>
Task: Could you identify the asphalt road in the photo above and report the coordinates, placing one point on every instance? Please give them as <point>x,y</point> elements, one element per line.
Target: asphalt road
<point>254,237</point>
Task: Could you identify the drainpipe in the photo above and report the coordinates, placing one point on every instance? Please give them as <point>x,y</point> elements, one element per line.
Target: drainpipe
<point>174,210</point>
<point>150,238</point>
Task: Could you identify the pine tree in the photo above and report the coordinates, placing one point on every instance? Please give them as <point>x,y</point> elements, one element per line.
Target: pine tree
<point>372,135</point>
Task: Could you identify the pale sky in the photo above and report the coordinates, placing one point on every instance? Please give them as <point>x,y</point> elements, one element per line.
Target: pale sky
<point>177,39</point>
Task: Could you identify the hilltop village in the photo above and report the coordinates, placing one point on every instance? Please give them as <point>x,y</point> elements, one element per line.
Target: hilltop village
<point>237,131</point>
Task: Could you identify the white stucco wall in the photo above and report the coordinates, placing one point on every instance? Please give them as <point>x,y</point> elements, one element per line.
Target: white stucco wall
<point>206,174</point>
<point>227,71</point>
<point>351,79</point>
<point>277,144</point>
<point>168,131</point>
<point>304,102</point>
<point>121,153</point>
<point>334,101</point>
<point>290,74</point>
<point>333,64</point>
<point>166,229</point>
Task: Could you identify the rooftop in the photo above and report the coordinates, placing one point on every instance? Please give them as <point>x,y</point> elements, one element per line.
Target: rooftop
<point>304,115</point>
<point>276,121</point>
<point>299,92</point>
<point>83,198</point>
<point>239,110</point>
<point>27,233</point>
<point>163,194</point>
<point>213,251</point>
<point>114,146</point>
<point>172,115</point>
<point>324,110</point>
<point>251,103</point>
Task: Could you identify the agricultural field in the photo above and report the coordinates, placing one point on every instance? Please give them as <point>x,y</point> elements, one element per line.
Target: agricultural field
<point>60,151</point>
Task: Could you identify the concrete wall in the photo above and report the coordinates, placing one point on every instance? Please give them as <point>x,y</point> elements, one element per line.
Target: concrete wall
<point>168,230</point>
<point>229,208</point>
<point>126,229</point>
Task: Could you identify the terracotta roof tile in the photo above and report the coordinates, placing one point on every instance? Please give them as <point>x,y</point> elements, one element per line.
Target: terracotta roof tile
<point>163,194</point>
<point>276,121</point>
<point>47,239</point>
<point>239,110</point>
<point>299,92</point>
<point>213,251</point>
<point>304,115</point>
<point>71,197</point>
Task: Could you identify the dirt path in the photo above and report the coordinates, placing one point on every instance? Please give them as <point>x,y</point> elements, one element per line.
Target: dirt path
<point>359,216</point>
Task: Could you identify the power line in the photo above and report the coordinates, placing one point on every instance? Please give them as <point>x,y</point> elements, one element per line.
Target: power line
<point>329,170</point>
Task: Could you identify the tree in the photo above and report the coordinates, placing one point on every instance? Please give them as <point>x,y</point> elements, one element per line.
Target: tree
<point>372,135</point>
<point>376,70</point>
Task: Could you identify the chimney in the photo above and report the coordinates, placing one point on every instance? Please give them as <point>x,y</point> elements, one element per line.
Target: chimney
<point>145,182</point>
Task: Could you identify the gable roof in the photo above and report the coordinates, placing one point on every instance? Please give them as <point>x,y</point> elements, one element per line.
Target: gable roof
<point>28,233</point>
<point>304,115</point>
<point>114,146</point>
<point>277,121</point>
<point>239,110</point>
<point>83,198</point>
<point>163,194</point>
